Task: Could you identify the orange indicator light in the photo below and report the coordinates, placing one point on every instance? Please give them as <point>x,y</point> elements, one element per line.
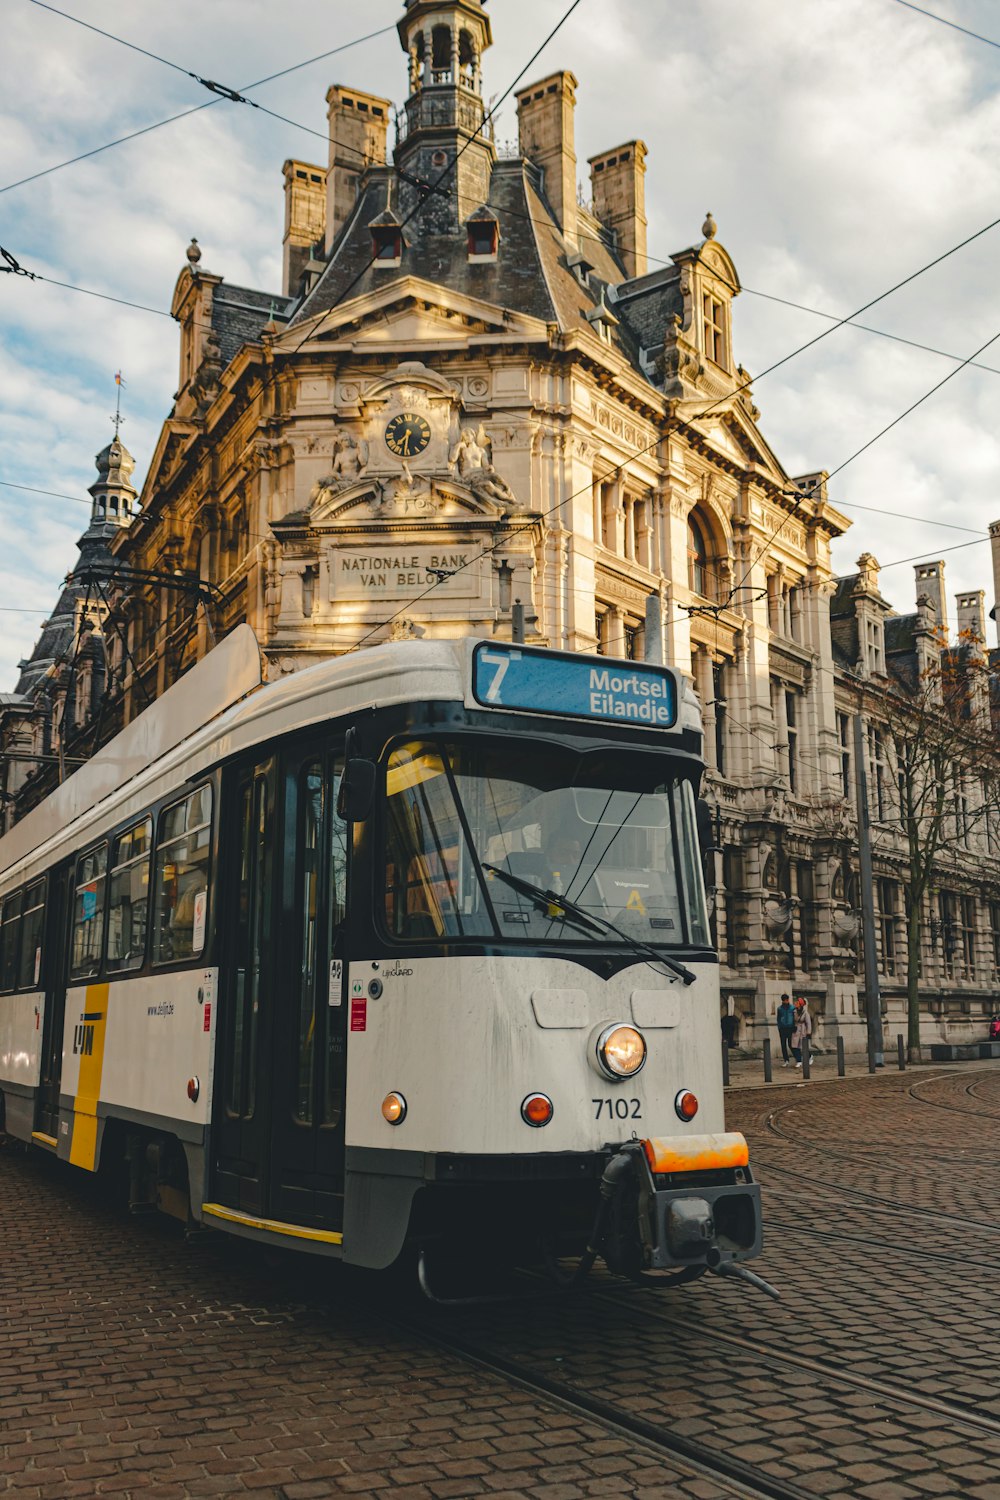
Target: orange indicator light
<point>394,1109</point>
<point>536,1110</point>
<point>686,1104</point>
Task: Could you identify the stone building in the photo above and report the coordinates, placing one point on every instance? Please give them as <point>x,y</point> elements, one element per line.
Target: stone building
<point>472,391</point>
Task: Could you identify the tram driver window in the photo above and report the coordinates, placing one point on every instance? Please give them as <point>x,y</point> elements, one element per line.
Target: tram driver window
<point>180,886</point>
<point>432,883</point>
<point>128,905</point>
<point>88,912</point>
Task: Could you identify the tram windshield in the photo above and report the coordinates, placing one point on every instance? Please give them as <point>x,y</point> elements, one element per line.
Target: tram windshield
<point>608,832</point>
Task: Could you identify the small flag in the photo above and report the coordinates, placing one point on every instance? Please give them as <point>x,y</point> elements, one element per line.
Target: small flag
<point>119,379</point>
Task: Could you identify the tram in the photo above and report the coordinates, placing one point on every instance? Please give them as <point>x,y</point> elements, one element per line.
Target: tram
<point>406,952</point>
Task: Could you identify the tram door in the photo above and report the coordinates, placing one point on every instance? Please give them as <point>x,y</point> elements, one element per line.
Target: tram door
<point>279,1126</point>
<point>56,963</point>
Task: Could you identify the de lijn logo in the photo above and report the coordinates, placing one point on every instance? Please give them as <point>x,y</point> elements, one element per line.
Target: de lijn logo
<point>83,1033</point>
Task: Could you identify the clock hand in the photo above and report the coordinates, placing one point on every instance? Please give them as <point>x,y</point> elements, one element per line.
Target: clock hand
<point>406,442</point>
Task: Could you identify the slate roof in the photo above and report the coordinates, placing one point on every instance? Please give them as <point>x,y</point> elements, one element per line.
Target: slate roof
<point>239,313</point>
<point>530,275</point>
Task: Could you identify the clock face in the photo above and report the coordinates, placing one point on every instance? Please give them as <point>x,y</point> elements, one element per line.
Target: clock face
<point>407,435</point>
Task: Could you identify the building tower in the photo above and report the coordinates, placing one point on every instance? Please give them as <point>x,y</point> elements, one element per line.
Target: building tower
<point>445,41</point>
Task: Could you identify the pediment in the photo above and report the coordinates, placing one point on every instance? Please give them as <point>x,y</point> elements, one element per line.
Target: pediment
<point>402,497</point>
<point>174,440</point>
<point>408,309</point>
<point>734,434</point>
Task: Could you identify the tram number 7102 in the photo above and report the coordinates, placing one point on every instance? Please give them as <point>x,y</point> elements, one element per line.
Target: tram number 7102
<point>622,1109</point>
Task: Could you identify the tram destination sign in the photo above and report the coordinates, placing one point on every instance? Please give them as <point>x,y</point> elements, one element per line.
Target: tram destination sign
<point>551,682</point>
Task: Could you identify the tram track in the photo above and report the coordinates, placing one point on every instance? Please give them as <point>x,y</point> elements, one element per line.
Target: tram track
<point>640,1306</point>
<point>745,1481</point>
<point>959,1412</point>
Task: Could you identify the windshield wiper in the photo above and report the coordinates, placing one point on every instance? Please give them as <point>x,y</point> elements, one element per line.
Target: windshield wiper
<point>589,922</point>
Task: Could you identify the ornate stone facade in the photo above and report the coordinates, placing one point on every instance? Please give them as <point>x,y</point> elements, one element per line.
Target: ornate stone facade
<point>472,392</point>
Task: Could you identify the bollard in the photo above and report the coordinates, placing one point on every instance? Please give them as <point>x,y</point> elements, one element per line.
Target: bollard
<point>805,1057</point>
<point>725,1064</point>
<point>767,1059</point>
<point>901,1052</point>
<point>841,1065</point>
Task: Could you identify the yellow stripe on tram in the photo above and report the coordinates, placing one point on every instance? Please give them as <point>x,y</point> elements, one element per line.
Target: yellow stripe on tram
<point>92,1032</point>
<point>273,1226</point>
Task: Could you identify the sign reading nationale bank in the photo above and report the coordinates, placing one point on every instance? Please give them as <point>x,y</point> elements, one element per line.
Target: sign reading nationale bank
<point>581,687</point>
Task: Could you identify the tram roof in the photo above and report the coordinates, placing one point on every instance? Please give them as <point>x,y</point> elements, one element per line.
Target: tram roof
<point>219,708</point>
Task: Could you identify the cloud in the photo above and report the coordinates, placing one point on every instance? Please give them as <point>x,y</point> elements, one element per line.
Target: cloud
<point>841,144</point>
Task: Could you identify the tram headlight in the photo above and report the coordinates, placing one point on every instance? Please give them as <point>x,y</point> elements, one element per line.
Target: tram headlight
<point>394,1108</point>
<point>621,1051</point>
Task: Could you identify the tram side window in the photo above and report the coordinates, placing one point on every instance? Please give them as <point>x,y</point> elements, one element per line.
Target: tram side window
<point>128,902</point>
<point>11,933</point>
<point>30,968</point>
<point>180,886</point>
<point>88,912</point>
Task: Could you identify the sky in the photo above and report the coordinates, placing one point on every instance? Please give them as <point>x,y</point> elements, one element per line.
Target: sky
<point>841,145</point>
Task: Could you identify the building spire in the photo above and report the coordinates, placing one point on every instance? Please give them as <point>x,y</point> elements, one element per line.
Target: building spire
<point>118,419</point>
<point>114,494</point>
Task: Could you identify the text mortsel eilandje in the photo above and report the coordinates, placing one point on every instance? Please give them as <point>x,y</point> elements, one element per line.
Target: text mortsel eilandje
<point>616,695</point>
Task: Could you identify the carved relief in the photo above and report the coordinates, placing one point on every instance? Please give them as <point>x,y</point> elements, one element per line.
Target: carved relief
<point>472,460</point>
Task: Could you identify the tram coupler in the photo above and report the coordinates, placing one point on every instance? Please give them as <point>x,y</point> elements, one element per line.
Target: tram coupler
<point>733,1268</point>
<point>678,1204</point>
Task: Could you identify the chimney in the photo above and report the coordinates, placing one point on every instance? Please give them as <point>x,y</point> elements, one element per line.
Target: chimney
<point>305,219</point>
<point>930,583</point>
<point>995,550</point>
<point>358,126</point>
<point>618,186</point>
<point>971,613</point>
<point>545,133</point>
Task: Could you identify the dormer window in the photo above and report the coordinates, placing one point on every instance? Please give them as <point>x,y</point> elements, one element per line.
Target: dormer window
<point>387,239</point>
<point>714,322</point>
<point>483,229</point>
<point>387,244</point>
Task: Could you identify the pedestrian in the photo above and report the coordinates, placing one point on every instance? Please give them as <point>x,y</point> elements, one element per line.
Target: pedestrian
<point>730,1029</point>
<point>786,1025</point>
<point>803,1028</point>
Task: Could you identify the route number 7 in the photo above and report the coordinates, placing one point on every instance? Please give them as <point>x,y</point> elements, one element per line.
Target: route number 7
<point>494,659</point>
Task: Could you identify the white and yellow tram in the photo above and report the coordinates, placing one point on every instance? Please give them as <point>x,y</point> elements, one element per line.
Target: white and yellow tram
<point>407,949</point>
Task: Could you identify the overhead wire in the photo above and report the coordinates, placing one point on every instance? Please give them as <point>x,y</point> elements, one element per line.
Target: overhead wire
<point>954,26</point>
<point>446,171</point>
<point>617,469</point>
<point>808,494</point>
<point>312,330</point>
<point>194,109</point>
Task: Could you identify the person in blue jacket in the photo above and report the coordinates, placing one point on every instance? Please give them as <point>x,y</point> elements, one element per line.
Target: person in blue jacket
<point>786,1025</point>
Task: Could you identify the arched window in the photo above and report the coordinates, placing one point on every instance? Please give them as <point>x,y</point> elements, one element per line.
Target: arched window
<point>698,569</point>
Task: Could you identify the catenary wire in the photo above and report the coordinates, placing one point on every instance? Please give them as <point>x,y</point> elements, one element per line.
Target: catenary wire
<point>857,454</point>
<point>233,95</point>
<point>776,365</point>
<point>312,329</point>
<point>147,129</point>
<point>976,35</point>
<point>618,468</point>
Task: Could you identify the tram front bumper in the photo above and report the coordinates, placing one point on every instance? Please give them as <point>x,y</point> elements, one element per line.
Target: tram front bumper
<point>698,1202</point>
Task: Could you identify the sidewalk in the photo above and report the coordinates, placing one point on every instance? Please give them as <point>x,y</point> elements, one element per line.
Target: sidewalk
<point>748,1072</point>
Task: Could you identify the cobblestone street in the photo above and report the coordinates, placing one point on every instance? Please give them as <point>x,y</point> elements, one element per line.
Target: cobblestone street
<point>135,1362</point>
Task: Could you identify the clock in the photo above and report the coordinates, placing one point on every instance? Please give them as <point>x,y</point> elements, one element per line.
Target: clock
<point>407,435</point>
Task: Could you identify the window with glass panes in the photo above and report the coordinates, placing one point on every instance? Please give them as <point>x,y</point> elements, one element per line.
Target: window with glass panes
<point>32,926</point>
<point>128,902</point>
<point>88,912</point>
<point>180,887</point>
